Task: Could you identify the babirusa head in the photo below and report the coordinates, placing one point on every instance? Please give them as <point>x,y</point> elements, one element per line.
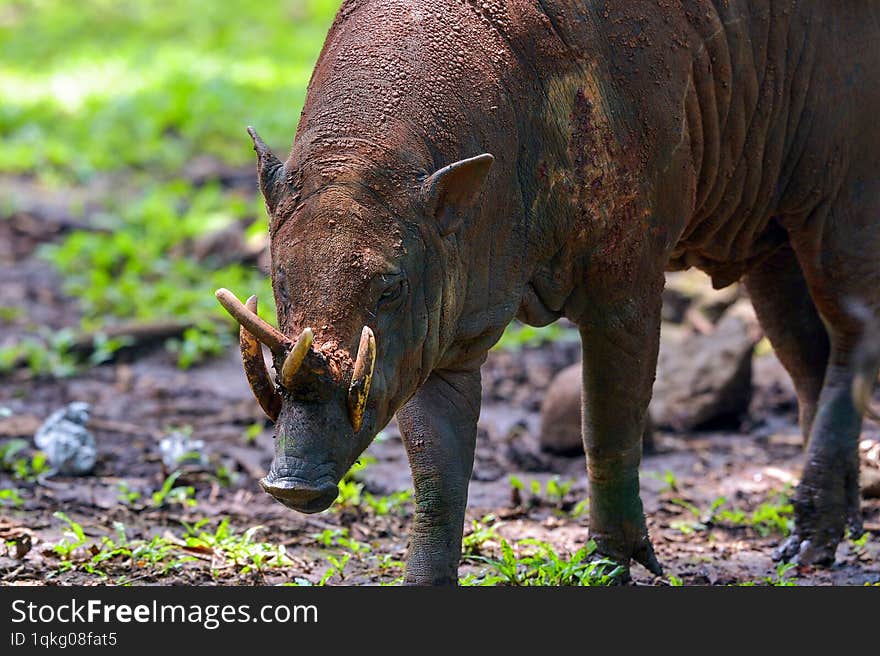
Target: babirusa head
<point>362,267</point>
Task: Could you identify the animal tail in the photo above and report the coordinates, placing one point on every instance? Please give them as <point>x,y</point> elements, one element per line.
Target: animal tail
<point>867,360</point>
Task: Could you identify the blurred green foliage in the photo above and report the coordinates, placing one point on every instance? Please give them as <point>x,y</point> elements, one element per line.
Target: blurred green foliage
<point>100,85</point>
<point>135,92</point>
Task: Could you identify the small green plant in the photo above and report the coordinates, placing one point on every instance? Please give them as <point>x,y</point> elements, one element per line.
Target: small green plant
<point>670,481</point>
<point>387,563</point>
<point>859,544</point>
<point>339,537</point>
<point>699,521</point>
<point>580,509</point>
<point>781,579</point>
<point>252,433</point>
<point>74,538</point>
<point>337,567</point>
<point>168,494</point>
<point>11,497</point>
<point>540,565</point>
<point>23,468</point>
<point>769,517</point>
<point>46,354</point>
<point>9,313</point>
<point>198,343</point>
<point>350,489</point>
<point>557,490</point>
<point>483,532</point>
<point>158,555</point>
<point>518,336</point>
<point>384,505</point>
<point>225,476</point>
<point>674,581</point>
<point>240,551</point>
<point>552,494</point>
<point>226,550</point>
<point>126,495</point>
<point>352,495</point>
<point>104,348</point>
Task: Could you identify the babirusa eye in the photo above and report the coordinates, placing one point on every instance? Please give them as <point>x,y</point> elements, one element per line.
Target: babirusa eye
<point>393,292</point>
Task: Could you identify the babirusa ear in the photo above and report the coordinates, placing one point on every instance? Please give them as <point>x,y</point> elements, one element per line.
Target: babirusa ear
<point>270,172</point>
<point>453,190</point>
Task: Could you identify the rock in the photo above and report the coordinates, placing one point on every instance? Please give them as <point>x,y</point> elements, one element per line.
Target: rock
<point>180,449</point>
<point>692,291</point>
<point>869,482</point>
<point>561,413</point>
<point>69,446</point>
<point>561,416</point>
<point>703,379</point>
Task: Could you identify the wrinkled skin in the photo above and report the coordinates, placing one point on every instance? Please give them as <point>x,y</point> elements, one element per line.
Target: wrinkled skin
<point>629,138</point>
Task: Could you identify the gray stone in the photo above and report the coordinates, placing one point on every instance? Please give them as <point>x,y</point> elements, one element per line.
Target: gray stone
<point>69,446</point>
<point>701,379</point>
<point>561,416</point>
<point>181,449</point>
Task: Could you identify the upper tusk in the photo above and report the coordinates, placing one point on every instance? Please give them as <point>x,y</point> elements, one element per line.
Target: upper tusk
<point>264,332</point>
<point>255,369</point>
<point>362,378</point>
<point>294,359</point>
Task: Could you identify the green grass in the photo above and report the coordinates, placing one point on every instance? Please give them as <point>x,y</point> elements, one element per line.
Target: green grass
<point>170,494</point>
<point>352,494</point>
<point>775,516</point>
<point>227,552</point>
<point>139,91</point>
<point>554,494</point>
<point>10,496</point>
<point>22,468</point>
<point>518,336</point>
<point>482,535</point>
<point>780,580</point>
<point>535,563</point>
<point>150,85</point>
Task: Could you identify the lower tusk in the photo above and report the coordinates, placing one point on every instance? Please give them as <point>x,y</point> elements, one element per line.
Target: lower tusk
<point>264,332</point>
<point>294,359</point>
<point>362,378</point>
<point>255,369</point>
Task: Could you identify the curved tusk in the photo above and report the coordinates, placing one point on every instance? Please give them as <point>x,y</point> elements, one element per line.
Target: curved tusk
<point>264,332</point>
<point>255,369</point>
<point>863,388</point>
<point>295,358</point>
<point>361,378</point>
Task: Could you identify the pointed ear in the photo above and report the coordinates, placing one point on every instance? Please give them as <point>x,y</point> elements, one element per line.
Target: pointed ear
<point>270,172</point>
<point>454,189</point>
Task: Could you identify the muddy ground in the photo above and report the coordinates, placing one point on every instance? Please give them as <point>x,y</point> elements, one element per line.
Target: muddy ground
<point>135,402</point>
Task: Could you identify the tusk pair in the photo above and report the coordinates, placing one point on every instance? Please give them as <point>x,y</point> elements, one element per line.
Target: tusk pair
<point>254,330</point>
<point>362,378</point>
